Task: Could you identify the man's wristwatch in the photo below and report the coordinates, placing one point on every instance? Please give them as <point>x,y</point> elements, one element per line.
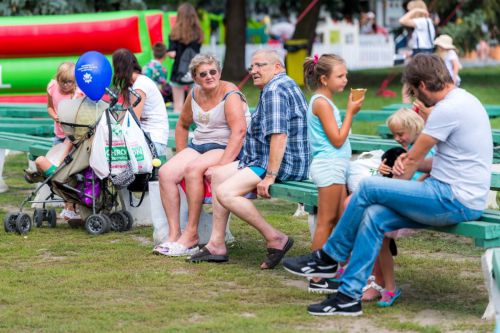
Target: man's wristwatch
<point>271,173</point>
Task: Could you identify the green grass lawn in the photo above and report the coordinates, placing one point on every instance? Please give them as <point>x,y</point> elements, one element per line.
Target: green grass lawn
<point>63,280</point>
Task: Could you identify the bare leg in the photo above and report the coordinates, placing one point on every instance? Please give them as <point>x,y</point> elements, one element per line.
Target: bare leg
<point>330,207</point>
<point>230,195</point>
<point>178,97</point>
<point>170,175</point>
<point>330,201</point>
<point>193,175</point>
<point>386,262</point>
<point>216,244</point>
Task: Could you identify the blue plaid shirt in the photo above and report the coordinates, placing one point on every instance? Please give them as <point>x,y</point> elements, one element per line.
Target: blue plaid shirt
<point>282,108</point>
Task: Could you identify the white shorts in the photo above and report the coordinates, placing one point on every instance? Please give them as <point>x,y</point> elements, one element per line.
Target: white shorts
<point>326,172</point>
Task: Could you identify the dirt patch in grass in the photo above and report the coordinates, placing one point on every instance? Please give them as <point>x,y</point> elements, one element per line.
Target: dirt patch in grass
<point>143,240</point>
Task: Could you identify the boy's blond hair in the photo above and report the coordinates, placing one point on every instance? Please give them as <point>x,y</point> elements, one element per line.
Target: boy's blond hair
<point>407,119</point>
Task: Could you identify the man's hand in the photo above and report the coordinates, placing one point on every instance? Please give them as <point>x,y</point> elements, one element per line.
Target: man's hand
<point>263,186</point>
<point>399,168</point>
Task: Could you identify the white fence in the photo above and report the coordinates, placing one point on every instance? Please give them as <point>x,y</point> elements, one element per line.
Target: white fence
<point>372,51</point>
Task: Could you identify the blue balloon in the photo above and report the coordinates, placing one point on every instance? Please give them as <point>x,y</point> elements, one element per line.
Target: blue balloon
<point>93,74</point>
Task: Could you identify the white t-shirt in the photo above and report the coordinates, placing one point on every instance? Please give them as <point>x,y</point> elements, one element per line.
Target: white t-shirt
<point>154,114</point>
<point>420,36</point>
<point>449,57</point>
<point>465,148</point>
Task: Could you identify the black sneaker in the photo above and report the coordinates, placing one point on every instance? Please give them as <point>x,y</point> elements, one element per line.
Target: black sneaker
<point>311,265</point>
<point>336,305</point>
<point>324,286</point>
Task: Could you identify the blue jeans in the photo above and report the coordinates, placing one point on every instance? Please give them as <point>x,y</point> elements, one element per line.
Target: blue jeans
<point>381,205</point>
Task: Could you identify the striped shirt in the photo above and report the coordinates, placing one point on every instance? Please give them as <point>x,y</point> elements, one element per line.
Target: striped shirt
<point>282,108</point>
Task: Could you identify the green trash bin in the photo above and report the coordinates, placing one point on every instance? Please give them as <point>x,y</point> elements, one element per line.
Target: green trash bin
<point>295,56</point>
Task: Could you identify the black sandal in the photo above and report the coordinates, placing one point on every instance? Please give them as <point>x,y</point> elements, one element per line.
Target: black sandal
<point>274,256</point>
<point>205,255</point>
<point>33,176</point>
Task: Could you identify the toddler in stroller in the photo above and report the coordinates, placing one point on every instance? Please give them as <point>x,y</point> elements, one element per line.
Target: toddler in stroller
<point>65,169</point>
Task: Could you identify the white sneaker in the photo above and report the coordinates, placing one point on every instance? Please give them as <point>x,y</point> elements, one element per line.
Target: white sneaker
<point>179,250</point>
<point>63,213</point>
<point>71,215</point>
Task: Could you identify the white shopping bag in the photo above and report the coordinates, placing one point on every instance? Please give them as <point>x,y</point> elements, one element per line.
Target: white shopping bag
<point>139,153</point>
<point>99,157</point>
<point>365,165</point>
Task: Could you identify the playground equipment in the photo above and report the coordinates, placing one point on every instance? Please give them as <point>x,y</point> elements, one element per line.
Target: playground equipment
<point>33,47</point>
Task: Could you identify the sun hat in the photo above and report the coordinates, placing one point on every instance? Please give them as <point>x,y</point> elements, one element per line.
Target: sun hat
<point>445,41</point>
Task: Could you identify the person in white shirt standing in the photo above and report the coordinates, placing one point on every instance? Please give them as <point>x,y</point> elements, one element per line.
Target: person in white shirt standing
<point>422,38</point>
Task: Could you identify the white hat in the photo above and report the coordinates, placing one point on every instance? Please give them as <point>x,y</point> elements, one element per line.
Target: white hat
<point>445,41</point>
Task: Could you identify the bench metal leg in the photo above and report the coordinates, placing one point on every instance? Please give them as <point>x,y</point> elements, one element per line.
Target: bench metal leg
<point>3,186</point>
<point>312,219</point>
<point>493,309</point>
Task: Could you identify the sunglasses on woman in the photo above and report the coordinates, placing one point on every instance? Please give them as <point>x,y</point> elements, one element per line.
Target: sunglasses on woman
<point>212,72</point>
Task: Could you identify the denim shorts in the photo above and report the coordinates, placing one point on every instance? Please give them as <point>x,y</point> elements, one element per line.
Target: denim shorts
<point>326,172</point>
<point>261,172</point>
<point>203,148</point>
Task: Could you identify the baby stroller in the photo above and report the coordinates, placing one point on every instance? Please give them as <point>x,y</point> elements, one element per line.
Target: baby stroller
<point>74,181</point>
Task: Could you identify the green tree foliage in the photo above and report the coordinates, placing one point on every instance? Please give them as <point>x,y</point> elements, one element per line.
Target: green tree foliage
<point>466,33</point>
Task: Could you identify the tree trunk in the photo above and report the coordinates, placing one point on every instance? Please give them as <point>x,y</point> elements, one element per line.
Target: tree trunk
<point>306,28</point>
<point>236,22</point>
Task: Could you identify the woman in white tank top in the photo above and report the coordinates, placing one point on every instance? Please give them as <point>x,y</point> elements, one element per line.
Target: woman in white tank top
<point>221,116</point>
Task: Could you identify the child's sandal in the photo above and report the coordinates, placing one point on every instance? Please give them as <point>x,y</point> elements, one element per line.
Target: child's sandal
<point>389,297</point>
<point>371,285</point>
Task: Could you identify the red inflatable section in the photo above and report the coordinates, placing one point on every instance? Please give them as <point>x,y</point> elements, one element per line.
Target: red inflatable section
<point>24,99</point>
<point>155,27</point>
<point>42,40</point>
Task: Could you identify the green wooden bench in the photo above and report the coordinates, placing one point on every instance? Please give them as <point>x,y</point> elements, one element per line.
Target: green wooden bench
<point>493,110</point>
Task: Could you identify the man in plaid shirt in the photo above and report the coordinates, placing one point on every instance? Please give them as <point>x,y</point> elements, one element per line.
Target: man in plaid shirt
<point>275,147</point>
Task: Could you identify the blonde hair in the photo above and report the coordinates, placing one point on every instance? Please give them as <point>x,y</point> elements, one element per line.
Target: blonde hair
<point>271,55</point>
<point>407,119</point>
<point>203,59</point>
<point>65,71</point>
<point>315,68</point>
<point>417,4</point>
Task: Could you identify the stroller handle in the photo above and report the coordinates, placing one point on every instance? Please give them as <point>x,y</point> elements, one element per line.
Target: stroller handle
<point>133,92</point>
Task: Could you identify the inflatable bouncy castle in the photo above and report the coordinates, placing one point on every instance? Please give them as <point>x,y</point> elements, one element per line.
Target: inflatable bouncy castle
<point>34,46</point>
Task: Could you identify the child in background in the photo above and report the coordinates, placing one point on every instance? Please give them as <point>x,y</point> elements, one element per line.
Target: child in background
<point>157,72</point>
<point>405,125</point>
<point>330,147</point>
<point>447,51</point>
<point>61,88</point>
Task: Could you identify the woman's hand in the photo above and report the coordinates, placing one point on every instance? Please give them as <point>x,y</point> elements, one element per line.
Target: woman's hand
<point>399,168</point>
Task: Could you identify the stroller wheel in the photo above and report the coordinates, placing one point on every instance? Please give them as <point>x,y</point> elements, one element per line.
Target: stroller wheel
<point>9,222</point>
<point>52,218</point>
<point>97,224</point>
<point>38,217</point>
<point>119,221</point>
<point>106,217</point>
<point>130,219</point>
<point>23,223</point>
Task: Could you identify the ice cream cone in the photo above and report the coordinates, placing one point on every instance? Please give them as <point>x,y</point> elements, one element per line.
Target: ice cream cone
<point>357,94</point>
